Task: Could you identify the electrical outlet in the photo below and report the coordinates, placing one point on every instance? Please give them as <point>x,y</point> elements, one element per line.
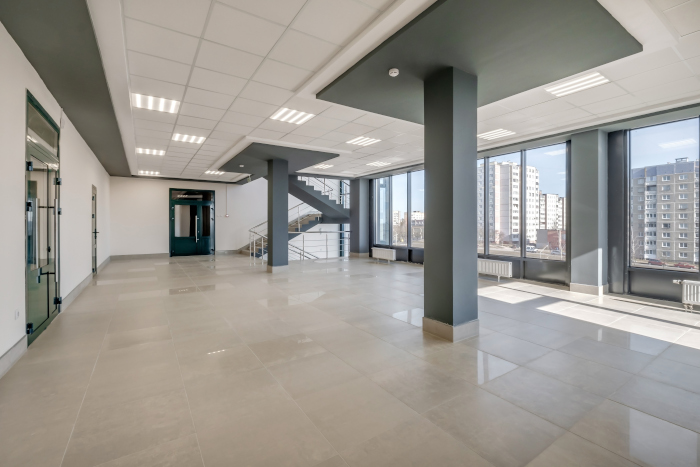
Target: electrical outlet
<point>16,314</point>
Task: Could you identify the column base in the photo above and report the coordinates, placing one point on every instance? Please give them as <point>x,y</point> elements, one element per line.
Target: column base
<point>359,255</point>
<point>598,290</point>
<point>451,333</point>
<point>277,269</point>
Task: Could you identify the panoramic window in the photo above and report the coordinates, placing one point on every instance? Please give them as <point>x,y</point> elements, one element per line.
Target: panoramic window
<point>545,233</point>
<point>504,205</point>
<point>417,208</point>
<point>481,207</point>
<point>382,208</point>
<point>668,153</point>
<point>399,210</point>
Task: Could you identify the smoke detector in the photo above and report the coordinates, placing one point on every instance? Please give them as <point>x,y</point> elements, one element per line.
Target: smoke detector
<point>394,72</point>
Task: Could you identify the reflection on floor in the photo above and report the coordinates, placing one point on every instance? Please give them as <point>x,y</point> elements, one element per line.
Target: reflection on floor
<point>211,361</point>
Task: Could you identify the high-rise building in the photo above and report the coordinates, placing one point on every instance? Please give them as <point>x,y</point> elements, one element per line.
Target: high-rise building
<point>664,212</point>
<point>552,211</point>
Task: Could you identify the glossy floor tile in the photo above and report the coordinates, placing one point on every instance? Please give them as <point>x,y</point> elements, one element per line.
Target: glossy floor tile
<point>210,361</point>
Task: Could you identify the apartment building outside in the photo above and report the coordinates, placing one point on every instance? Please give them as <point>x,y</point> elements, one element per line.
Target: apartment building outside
<point>664,213</point>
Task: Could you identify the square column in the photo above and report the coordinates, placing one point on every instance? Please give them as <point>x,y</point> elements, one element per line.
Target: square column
<point>359,218</point>
<point>589,212</point>
<point>451,301</point>
<point>277,215</point>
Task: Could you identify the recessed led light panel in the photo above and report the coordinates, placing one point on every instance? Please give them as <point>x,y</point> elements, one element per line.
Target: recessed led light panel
<point>322,166</point>
<point>154,103</point>
<point>292,116</point>
<point>153,152</point>
<point>213,172</point>
<point>578,84</point>
<point>188,138</point>
<point>148,172</point>
<point>379,164</point>
<point>495,134</point>
<point>678,144</point>
<point>363,141</point>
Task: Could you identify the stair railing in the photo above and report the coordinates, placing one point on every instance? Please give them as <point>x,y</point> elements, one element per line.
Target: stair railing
<point>340,195</point>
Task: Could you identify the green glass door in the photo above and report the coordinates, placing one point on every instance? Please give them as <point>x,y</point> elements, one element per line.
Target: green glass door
<point>191,226</point>
<point>41,222</point>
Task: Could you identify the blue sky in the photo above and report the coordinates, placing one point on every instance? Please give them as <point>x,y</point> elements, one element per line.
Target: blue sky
<point>660,144</point>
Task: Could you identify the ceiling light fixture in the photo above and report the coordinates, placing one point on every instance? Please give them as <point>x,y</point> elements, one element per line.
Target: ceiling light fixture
<point>213,172</point>
<point>363,141</point>
<point>495,134</point>
<point>578,84</point>
<point>153,152</point>
<point>678,144</point>
<point>154,103</point>
<point>379,164</point>
<point>148,172</point>
<point>292,116</point>
<point>322,166</point>
<point>188,138</point>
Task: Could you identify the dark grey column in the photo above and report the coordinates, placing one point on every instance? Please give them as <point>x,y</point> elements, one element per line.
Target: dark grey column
<point>277,216</point>
<point>589,212</point>
<point>617,199</point>
<point>359,218</point>
<point>451,306</point>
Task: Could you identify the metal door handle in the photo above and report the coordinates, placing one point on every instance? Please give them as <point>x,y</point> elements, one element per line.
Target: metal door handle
<point>196,221</point>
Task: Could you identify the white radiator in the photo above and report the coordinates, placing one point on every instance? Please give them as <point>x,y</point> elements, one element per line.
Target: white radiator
<point>691,293</point>
<point>496,268</point>
<point>384,253</point>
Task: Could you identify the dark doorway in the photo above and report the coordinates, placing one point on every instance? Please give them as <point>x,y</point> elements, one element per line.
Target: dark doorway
<point>191,222</point>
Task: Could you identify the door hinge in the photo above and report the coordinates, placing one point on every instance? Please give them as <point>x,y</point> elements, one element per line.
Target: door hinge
<point>57,300</point>
<point>30,328</point>
<point>57,181</point>
<point>30,166</point>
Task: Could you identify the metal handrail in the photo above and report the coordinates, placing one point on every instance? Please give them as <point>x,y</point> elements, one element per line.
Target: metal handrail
<point>304,253</point>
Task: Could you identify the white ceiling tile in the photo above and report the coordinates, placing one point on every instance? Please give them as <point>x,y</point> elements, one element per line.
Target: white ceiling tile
<point>298,139</point>
<point>156,88</point>
<point>610,105</point>
<point>147,142</point>
<point>191,131</point>
<point>373,120</point>
<point>158,68</point>
<point>689,46</point>
<point>208,98</point>
<point>152,40</point>
<point>336,21</point>
<point>340,112</point>
<point>401,126</point>
<point>686,17</point>
<point>598,93</point>
<point>201,111</point>
<point>281,75</point>
<point>324,123</point>
<point>526,99</point>
<point>565,116</point>
<point>309,105</point>
<point>181,152</point>
<point>406,139</point>
<point>165,135</point>
<point>214,154</point>
<point>259,109</point>
<point>233,128</point>
<point>267,134</point>
<point>274,125</point>
<point>215,81</point>
<point>309,131</point>
<point>151,125</point>
<point>229,138</point>
<point>196,122</point>
<point>339,137</point>
<point>666,4</point>
<point>489,111</point>
<point>382,134</point>
<point>323,143</point>
<point>303,51</point>
<point>186,16</point>
<point>355,129</point>
<point>242,31</point>
<point>639,63</point>
<point>383,145</point>
<point>694,64</point>
<point>546,108</point>
<point>279,11</point>
<point>242,119</point>
<point>676,90</point>
<point>265,93</point>
<point>179,144</point>
<point>656,77</point>
<point>378,4</point>
<point>224,59</point>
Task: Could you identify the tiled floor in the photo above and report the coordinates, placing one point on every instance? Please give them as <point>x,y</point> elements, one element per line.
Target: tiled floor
<point>211,361</point>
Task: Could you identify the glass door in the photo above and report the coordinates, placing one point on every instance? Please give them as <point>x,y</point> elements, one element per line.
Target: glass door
<point>191,223</point>
<point>94,230</point>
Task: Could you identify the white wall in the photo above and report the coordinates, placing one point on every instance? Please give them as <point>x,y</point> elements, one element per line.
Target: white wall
<point>79,171</point>
<point>139,213</point>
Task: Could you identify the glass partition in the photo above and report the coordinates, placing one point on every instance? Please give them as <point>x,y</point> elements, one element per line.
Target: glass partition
<point>480,235</point>
<point>663,196</point>
<point>399,210</point>
<point>417,209</point>
<point>504,205</point>
<point>545,181</point>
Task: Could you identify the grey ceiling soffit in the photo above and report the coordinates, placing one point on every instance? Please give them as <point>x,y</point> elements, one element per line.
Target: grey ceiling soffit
<point>57,38</point>
<point>253,159</point>
<point>511,45</point>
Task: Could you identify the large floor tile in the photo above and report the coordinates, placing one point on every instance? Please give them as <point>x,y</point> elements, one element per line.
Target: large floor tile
<point>682,354</point>
<point>497,430</point>
<point>674,373</point>
<point>610,355</point>
<point>540,336</point>
<point>507,347</point>
<point>468,363</point>
<point>573,451</point>
<point>639,437</point>
<point>560,403</point>
<point>182,452</point>
<point>417,342</point>
<point>120,340</point>
<point>285,349</point>
<point>372,356</point>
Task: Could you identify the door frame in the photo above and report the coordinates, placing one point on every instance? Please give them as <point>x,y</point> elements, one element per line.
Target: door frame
<point>93,242</point>
<point>171,219</point>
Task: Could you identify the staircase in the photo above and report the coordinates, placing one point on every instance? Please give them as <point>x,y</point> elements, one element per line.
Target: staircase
<point>330,197</point>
